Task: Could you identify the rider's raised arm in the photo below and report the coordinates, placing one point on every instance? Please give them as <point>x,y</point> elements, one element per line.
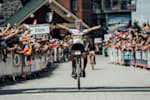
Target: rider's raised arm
<point>94,28</point>
<point>63,27</point>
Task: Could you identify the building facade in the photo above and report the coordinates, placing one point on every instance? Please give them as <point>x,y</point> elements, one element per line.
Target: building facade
<point>111,13</point>
<point>114,13</point>
<point>81,8</point>
<point>142,12</point>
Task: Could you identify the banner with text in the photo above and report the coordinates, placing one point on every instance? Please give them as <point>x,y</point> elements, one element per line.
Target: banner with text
<point>39,29</point>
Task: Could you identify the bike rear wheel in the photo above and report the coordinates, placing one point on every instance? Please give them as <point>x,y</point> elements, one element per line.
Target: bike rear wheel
<point>79,83</point>
<point>92,62</point>
<point>78,73</point>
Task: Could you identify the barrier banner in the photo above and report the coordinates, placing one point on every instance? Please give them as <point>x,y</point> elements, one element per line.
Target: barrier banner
<point>8,65</point>
<point>2,67</point>
<point>26,65</point>
<point>119,56</point>
<point>111,54</point>
<point>132,61</point>
<point>38,63</point>
<point>55,54</point>
<point>42,62</point>
<point>144,59</point>
<point>126,57</point>
<point>17,60</point>
<point>47,56</point>
<point>138,58</point>
<point>148,60</point>
<point>52,55</point>
<point>115,55</point>
<point>17,64</point>
<point>34,64</point>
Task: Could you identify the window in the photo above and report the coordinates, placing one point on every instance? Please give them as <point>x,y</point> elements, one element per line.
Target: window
<point>96,7</point>
<point>74,5</point>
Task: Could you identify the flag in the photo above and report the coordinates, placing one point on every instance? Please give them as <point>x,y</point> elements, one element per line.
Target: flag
<point>52,29</point>
<point>27,49</point>
<point>27,26</point>
<point>35,22</point>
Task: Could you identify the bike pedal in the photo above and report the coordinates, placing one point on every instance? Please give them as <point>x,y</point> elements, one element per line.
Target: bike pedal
<point>74,77</point>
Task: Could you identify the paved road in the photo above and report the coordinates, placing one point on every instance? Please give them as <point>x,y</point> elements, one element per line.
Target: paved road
<point>107,82</point>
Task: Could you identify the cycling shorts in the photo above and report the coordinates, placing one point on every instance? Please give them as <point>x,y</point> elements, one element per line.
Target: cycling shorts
<point>79,47</point>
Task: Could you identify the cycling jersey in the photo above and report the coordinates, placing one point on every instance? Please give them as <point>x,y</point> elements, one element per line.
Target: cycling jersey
<point>77,35</point>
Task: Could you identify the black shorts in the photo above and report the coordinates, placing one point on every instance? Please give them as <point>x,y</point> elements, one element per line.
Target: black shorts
<point>78,47</point>
<point>92,47</point>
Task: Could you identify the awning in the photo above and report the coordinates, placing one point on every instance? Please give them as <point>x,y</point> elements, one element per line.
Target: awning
<point>63,12</point>
<point>32,6</point>
<point>25,12</point>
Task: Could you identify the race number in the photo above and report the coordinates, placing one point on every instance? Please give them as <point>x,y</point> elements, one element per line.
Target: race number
<point>17,60</point>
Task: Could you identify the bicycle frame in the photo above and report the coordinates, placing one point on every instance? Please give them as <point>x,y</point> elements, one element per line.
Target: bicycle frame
<point>92,61</point>
<point>78,66</point>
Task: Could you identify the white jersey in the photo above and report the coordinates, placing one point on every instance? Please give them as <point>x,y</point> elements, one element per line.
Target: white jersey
<point>77,35</point>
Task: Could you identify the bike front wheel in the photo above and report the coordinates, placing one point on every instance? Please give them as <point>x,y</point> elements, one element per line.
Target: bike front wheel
<point>78,73</point>
<point>92,63</point>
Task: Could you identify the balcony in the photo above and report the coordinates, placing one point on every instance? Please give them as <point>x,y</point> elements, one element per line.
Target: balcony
<point>118,5</point>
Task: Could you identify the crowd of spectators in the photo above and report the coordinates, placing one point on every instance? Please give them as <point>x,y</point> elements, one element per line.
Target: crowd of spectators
<point>130,39</point>
<point>18,39</point>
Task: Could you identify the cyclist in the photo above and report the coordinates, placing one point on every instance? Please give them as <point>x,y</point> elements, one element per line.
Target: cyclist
<point>78,44</point>
<point>92,47</point>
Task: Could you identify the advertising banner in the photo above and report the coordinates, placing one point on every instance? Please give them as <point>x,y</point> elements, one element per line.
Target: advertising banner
<point>38,29</point>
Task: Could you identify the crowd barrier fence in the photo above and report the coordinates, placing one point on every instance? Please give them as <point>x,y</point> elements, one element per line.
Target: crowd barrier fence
<point>136,58</point>
<point>18,65</point>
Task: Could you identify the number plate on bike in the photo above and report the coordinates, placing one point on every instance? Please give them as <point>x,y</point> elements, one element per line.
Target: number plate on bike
<point>77,52</point>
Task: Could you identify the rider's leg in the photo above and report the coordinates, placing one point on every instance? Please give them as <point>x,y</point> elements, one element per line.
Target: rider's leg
<point>94,57</point>
<point>90,58</point>
<point>73,65</point>
<point>85,63</point>
<point>85,60</point>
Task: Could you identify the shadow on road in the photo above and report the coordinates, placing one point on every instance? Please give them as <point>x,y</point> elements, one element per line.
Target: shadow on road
<point>47,73</point>
<point>74,90</point>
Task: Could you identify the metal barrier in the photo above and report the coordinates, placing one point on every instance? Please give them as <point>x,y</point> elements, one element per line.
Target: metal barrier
<point>137,58</point>
<point>17,64</point>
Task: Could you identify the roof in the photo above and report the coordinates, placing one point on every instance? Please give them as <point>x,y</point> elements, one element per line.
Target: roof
<point>33,6</point>
<point>25,12</point>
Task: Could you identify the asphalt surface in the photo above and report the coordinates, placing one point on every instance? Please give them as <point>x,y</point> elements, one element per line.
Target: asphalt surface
<point>106,82</point>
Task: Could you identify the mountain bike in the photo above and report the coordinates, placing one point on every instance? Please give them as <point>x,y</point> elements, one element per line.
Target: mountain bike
<point>78,63</point>
<point>92,62</point>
